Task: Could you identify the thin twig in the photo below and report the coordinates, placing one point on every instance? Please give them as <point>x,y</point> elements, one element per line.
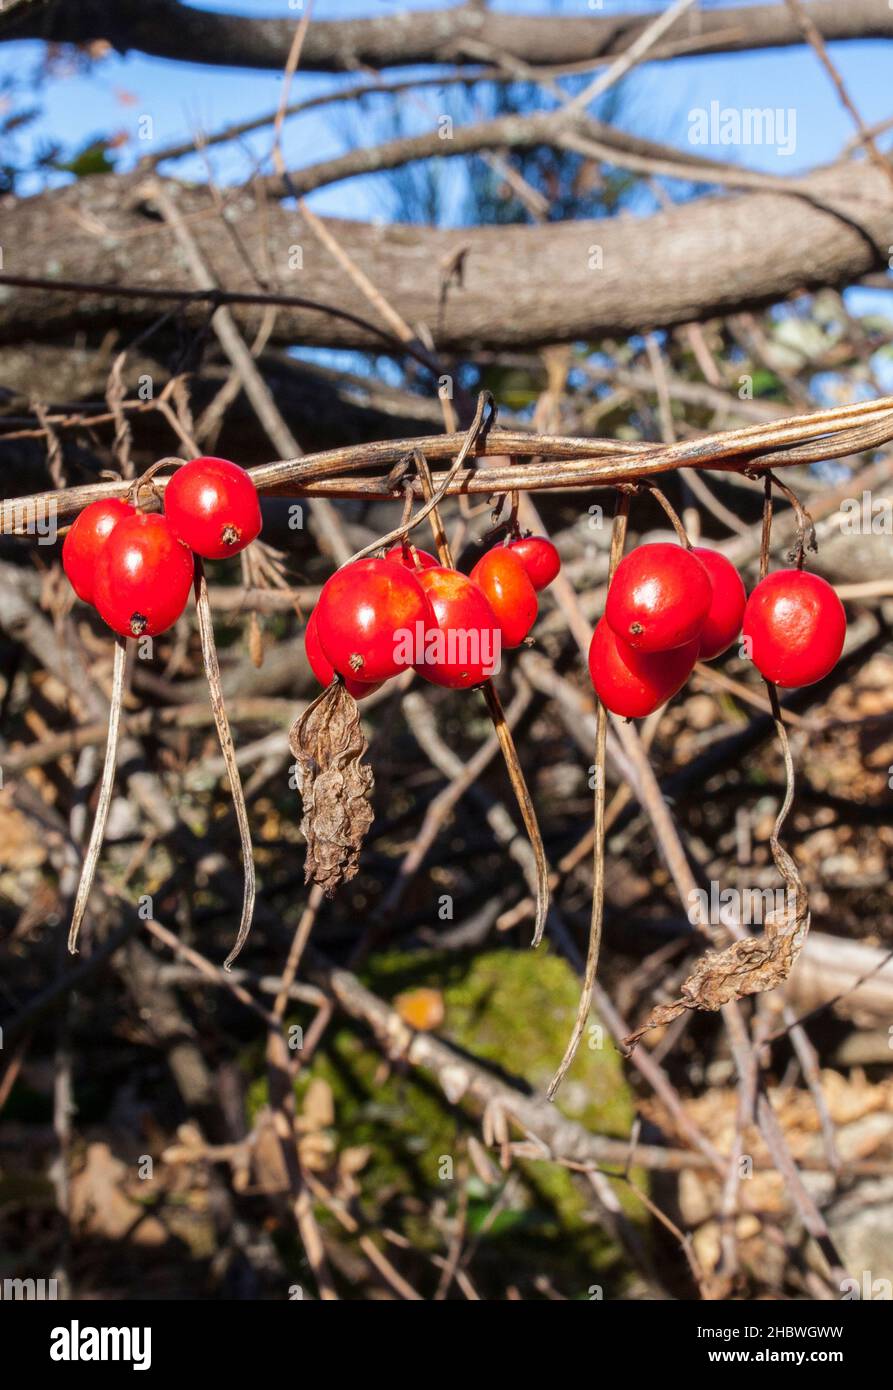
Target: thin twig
<point>671,512</point>
<point>97,834</point>
<point>477,428</point>
<point>630,56</point>
<point>814,38</point>
<point>224,734</point>
<point>618,538</point>
<point>806,537</point>
<point>324,520</point>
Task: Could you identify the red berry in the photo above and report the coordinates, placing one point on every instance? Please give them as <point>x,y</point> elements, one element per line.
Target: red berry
<point>540,559</point>
<point>363,615</point>
<point>89,532</point>
<point>634,683</point>
<point>143,576</point>
<point>411,557</point>
<point>212,505</point>
<point>659,597</point>
<point>796,626</point>
<point>503,579</point>
<point>723,622</point>
<point>463,644</point>
<point>323,669</point>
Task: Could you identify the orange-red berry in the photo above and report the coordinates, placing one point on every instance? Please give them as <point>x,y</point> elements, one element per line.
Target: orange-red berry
<point>143,576</point>
<point>88,534</point>
<point>503,578</point>
<point>213,507</point>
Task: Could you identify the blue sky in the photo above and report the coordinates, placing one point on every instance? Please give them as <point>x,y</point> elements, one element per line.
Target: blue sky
<point>657,99</point>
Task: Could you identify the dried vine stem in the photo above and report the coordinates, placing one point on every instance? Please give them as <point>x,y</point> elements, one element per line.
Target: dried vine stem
<point>97,834</point>
<point>783,861</point>
<point>494,706</point>
<point>525,806</point>
<point>618,540</point>
<point>224,735</point>
<point>563,462</point>
<point>477,429</point>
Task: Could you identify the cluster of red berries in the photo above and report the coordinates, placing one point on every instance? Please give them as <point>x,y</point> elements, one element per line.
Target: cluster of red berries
<point>136,568</point>
<point>376,617</point>
<point>669,607</point>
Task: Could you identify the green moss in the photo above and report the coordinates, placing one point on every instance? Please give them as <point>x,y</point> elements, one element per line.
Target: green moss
<point>513,1011</point>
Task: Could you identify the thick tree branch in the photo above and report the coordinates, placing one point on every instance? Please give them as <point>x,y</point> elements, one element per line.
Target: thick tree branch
<point>520,286</point>
<point>559,129</point>
<point>167,29</point>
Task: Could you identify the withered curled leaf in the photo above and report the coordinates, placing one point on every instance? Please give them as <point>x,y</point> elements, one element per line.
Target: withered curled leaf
<point>335,783</point>
<point>750,966</point>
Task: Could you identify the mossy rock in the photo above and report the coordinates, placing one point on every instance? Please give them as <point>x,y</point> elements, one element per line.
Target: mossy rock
<point>515,1010</point>
<point>512,1011</point>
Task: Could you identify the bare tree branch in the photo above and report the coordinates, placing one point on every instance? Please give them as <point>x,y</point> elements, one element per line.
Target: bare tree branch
<point>559,129</point>
<point>521,287</point>
<point>465,33</point>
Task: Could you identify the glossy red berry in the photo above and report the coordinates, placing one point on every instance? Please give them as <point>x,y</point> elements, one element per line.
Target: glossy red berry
<point>795,626</point>
<point>323,669</point>
<point>213,507</point>
<point>89,532</point>
<point>363,615</point>
<point>659,597</point>
<point>723,622</point>
<point>463,643</point>
<point>635,683</point>
<point>143,576</point>
<point>540,559</point>
<point>413,558</point>
<point>503,579</point>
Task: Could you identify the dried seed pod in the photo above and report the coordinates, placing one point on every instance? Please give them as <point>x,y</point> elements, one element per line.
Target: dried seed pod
<point>335,783</point>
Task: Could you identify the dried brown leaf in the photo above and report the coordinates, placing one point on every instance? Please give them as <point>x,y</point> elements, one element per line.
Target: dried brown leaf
<point>335,785</point>
<point>746,967</point>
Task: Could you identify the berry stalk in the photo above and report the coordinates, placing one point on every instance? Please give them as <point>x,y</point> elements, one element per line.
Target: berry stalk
<point>596,920</point>
<point>97,833</point>
<point>227,748</point>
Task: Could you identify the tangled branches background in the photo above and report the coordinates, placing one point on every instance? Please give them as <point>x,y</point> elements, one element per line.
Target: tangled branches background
<point>358,1109</point>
